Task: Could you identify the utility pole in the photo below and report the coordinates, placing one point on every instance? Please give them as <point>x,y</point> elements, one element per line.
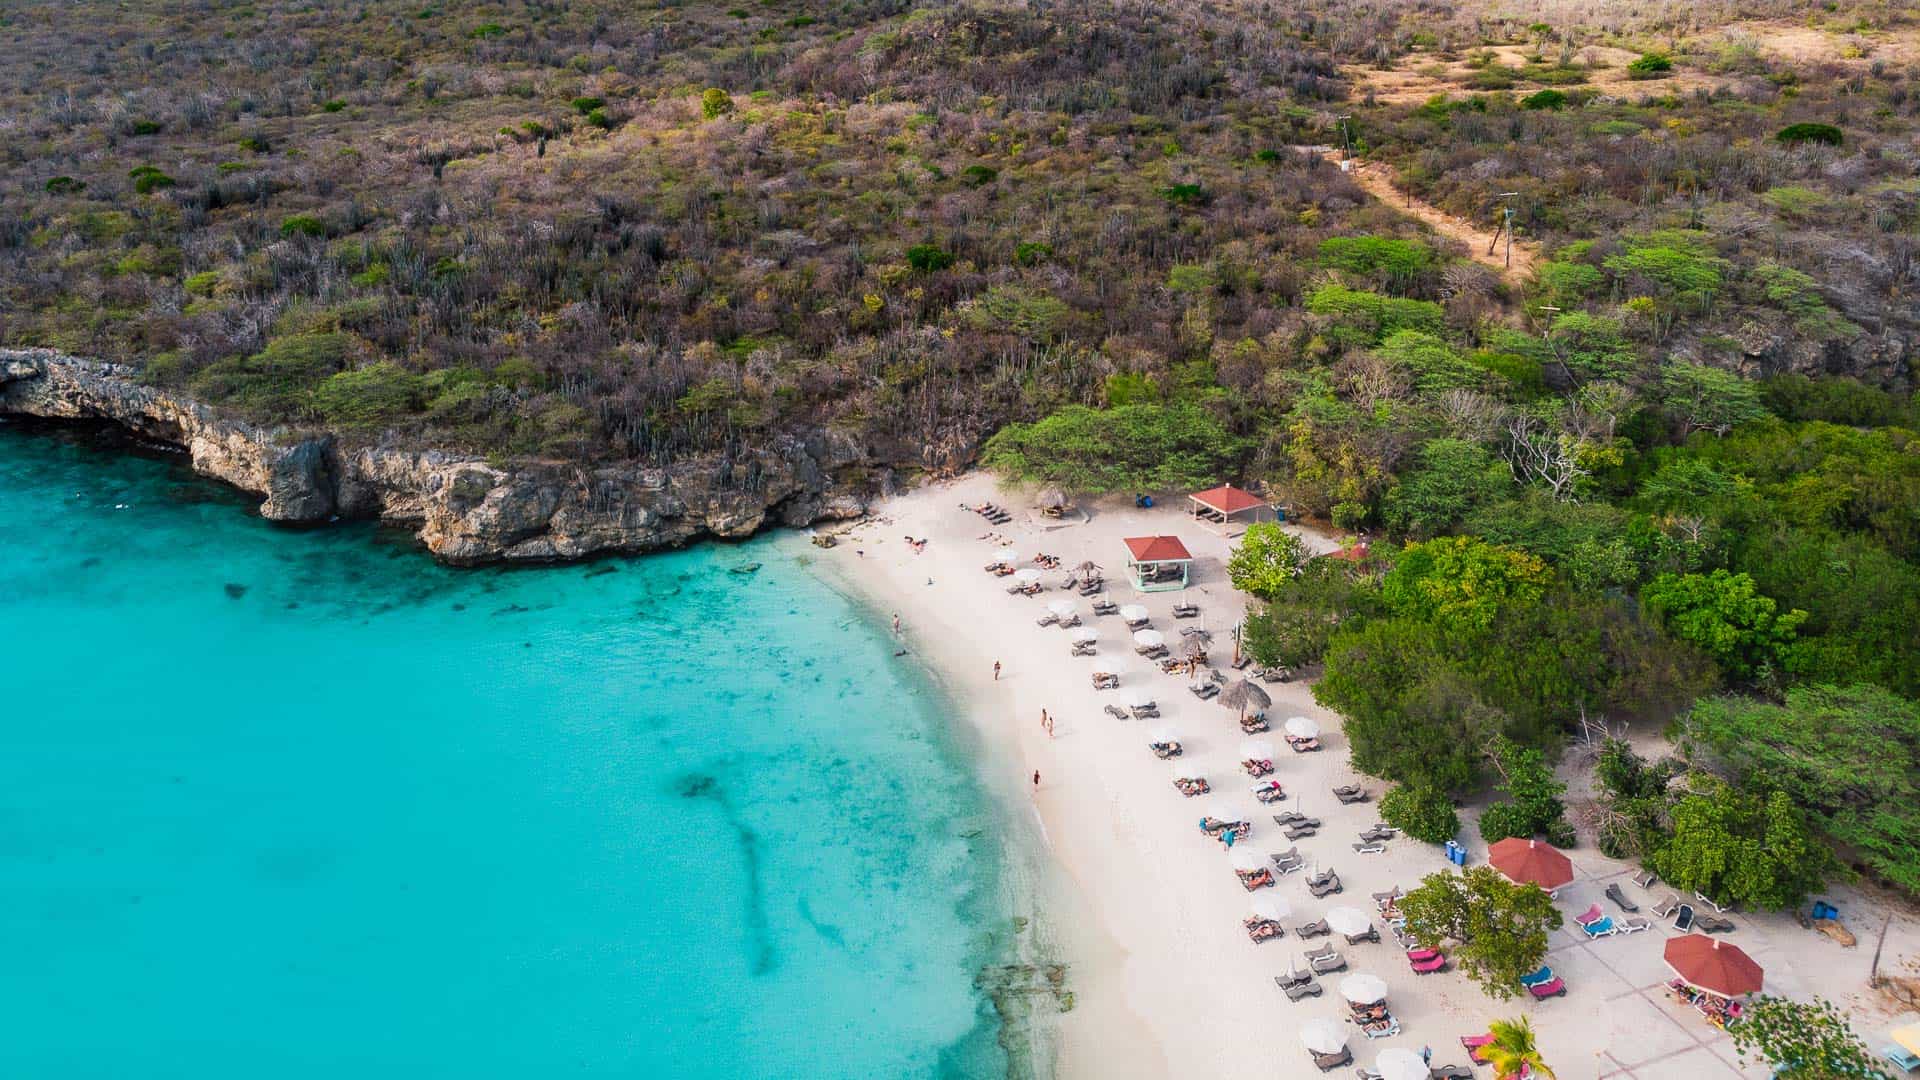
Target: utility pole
<point>1346,136</point>
<point>1506,224</point>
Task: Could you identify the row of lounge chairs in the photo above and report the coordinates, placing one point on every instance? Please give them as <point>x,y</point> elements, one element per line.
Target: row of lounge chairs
<point>991,512</point>
<point>1258,767</point>
<point>1050,619</point>
<point>1105,607</point>
<point>1303,746</point>
<point>1325,883</point>
<point>1685,918</point>
<point>1191,786</point>
<point>1597,924</point>
<point>1426,961</point>
<point>1297,985</point>
<point>1185,610</point>
<point>1544,984</point>
<point>1351,793</point>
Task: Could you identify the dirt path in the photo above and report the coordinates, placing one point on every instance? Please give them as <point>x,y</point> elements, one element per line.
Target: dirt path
<point>1377,180</point>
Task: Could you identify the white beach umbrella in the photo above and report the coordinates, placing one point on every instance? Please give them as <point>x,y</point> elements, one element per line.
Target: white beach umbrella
<point>1133,612</point>
<point>1137,698</point>
<point>1062,607</point>
<point>1246,859</point>
<point>1085,634</point>
<point>1149,639</point>
<point>1026,577</point>
<point>1400,1063</point>
<point>1256,750</point>
<point>1302,727</point>
<point>1269,905</point>
<point>1323,1036</point>
<point>1222,810</point>
<point>1011,558</point>
<point>1364,989</point>
<point>1164,735</point>
<point>1348,920</point>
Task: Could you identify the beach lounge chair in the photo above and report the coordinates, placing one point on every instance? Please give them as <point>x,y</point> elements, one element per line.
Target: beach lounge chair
<point>1430,964</point>
<point>1257,767</point>
<point>1620,898</point>
<point>1254,724</point>
<point>1450,1072</point>
<point>1139,624</point>
<point>1105,607</point>
<point>1351,793</point>
<point>1317,928</point>
<point>1379,832</point>
<point>1325,964</point>
<point>1300,832</point>
<point>1664,909</point>
<point>1165,750</point>
<point>1242,662</point>
<point>1713,924</point>
<point>1325,888</point>
<point>1474,1044</point>
<point>1324,952</point>
<point>1707,900</point>
<point>1369,847</point>
<point>1365,1073</point>
<point>1269,792</point>
<point>1046,620</point>
<point>1106,680</point>
<point>1592,914</point>
<point>1151,652</point>
<point>1303,990</point>
<point>1381,1029</point>
<point>1295,817</point>
<point>1255,879</point>
<point>1370,934</point>
<point>1273,675</point>
<point>1144,712</point>
<point>1205,691</point>
<point>1288,861</point>
<point>1303,746</point>
<point>1186,610</point>
<point>1116,712</point>
<point>1634,926</point>
<point>1259,930</point>
<point>1683,918</point>
<point>1385,900</point>
<point>1554,987</point>
<point>1191,785</point>
<point>1293,977</point>
<point>1545,974</point>
<point>1645,879</point>
<point>1083,648</point>
<point>1599,928</point>
<point>1330,1062</point>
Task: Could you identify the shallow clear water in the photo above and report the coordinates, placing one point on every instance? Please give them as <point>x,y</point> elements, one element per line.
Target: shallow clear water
<point>304,804</point>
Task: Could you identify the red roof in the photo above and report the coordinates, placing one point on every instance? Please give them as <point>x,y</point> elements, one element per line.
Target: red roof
<point>1714,965</point>
<point>1157,549</point>
<point>1531,861</point>
<point>1227,499</point>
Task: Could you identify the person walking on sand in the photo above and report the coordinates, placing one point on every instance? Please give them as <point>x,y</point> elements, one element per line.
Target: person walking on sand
<point>1046,722</point>
<point>1036,779</point>
<point>996,671</point>
<point>896,623</point>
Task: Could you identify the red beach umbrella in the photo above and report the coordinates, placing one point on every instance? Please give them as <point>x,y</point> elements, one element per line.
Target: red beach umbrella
<point>1713,965</point>
<point>1530,862</point>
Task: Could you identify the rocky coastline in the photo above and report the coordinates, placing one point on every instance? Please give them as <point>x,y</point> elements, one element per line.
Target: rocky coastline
<point>464,509</point>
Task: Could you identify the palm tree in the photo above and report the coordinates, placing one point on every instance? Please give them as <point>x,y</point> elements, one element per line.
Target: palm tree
<point>1512,1052</point>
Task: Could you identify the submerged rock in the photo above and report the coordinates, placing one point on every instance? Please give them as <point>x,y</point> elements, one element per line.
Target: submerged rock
<point>464,509</point>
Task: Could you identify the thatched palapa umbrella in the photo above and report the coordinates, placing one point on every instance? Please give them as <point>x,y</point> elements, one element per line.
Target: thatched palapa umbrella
<point>1052,501</point>
<point>1243,695</point>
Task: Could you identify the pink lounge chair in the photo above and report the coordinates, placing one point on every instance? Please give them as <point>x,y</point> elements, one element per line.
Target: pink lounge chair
<point>1592,914</point>
<point>1556,987</point>
<point>1430,965</point>
<point>1474,1043</point>
<point>1419,955</point>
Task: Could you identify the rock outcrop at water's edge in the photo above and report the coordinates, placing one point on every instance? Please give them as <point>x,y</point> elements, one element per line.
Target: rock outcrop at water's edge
<point>465,509</point>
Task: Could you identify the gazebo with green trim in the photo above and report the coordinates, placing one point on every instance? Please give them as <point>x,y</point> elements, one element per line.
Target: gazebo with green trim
<point>1158,563</point>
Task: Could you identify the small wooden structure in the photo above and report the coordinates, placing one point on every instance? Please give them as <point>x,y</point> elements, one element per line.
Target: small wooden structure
<point>1158,563</point>
<point>1052,502</point>
<point>1220,509</point>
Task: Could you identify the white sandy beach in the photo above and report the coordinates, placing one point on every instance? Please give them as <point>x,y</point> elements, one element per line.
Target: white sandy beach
<point>1165,980</point>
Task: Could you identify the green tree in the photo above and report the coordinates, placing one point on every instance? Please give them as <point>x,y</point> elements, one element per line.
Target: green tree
<point>1741,848</point>
<point>1533,803</point>
<point>1708,398</point>
<point>1147,447</point>
<point>1513,1053</point>
<point>1294,628</point>
<point>1421,812</point>
<point>1850,756</point>
<point>1632,802</point>
<point>1453,478</point>
<point>1385,260</point>
<point>1494,929</point>
<point>377,394</point>
<point>1463,584</point>
<point>1802,1040</point>
<point>1411,714</point>
<point>1724,615</point>
<point>715,103</point>
<point>1266,561</point>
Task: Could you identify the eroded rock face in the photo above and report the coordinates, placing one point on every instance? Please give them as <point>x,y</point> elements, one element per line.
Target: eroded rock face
<point>465,509</point>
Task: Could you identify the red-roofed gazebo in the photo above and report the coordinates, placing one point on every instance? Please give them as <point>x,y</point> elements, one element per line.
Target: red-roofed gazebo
<point>1217,508</point>
<point>1158,563</point>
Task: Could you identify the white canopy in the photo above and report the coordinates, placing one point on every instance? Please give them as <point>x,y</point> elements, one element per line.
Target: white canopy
<point>1007,558</point>
<point>1348,920</point>
<point>1062,607</point>
<point>1246,859</point>
<point>1084,634</point>
<point>1256,750</point>
<point>1323,1036</point>
<point>1302,727</point>
<point>1400,1063</point>
<point>1222,810</point>
<point>1164,735</point>
<point>1269,905</point>
<point>1364,989</point>
<point>1137,698</point>
<point>1148,639</point>
<point>1133,612</point>
<point>1026,577</point>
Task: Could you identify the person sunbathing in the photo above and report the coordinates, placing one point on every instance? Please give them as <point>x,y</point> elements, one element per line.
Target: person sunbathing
<point>1257,768</point>
<point>1191,786</point>
<point>1255,879</point>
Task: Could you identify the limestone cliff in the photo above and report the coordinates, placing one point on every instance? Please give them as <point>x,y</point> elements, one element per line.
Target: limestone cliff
<point>465,509</point>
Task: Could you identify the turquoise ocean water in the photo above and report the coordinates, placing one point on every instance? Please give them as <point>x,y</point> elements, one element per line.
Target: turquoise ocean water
<point>305,804</point>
